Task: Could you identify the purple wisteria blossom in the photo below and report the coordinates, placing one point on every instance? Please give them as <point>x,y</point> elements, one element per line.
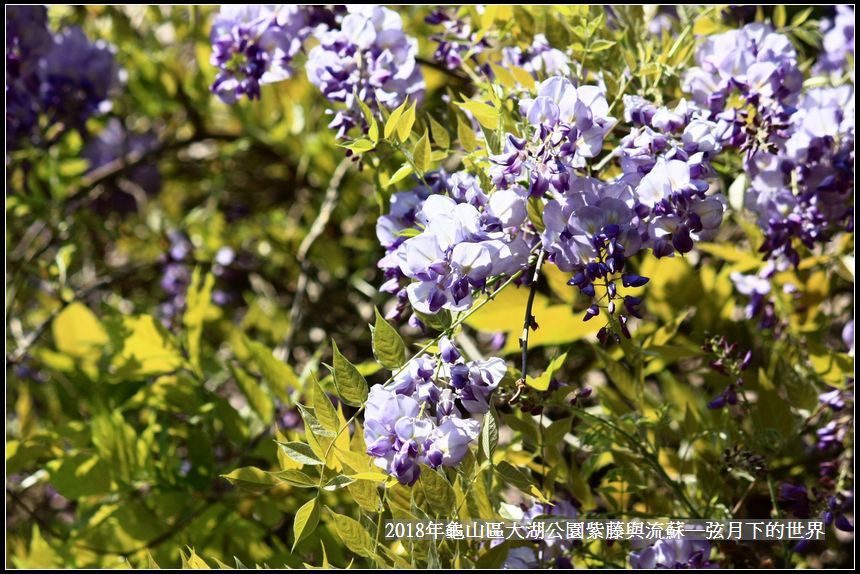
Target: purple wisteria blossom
<point>443,244</point>
<point>803,191</point>
<point>253,45</point>
<point>139,182</point>
<point>27,40</point>
<point>425,414</point>
<point>838,42</point>
<point>456,41</point>
<point>568,127</point>
<point>551,550</point>
<point>749,80</point>
<point>63,78</point>
<point>76,78</point>
<point>592,226</point>
<point>799,145</point>
<point>370,59</point>
<point>672,554</point>
<point>754,61</point>
<point>757,288</point>
<point>540,59</point>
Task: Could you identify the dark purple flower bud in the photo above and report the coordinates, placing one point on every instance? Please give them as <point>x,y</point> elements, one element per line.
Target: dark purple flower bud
<point>843,524</point>
<point>603,335</point>
<point>681,239</point>
<point>632,305</point>
<point>633,280</point>
<point>624,330</point>
<point>718,402</point>
<point>663,248</point>
<point>449,352</point>
<point>591,312</point>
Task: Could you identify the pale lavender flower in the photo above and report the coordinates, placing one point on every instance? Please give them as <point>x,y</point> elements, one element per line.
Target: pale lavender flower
<point>673,554</point>
<point>838,42</point>
<point>369,58</point>
<point>253,45</point>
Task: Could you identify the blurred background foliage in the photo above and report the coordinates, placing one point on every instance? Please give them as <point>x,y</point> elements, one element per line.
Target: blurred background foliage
<point>126,404</point>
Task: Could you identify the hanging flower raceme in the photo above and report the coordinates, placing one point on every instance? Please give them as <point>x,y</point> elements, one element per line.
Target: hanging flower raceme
<point>673,554</point>
<point>803,192</point>
<point>63,78</point>
<point>369,59</point>
<point>456,41</point>
<point>838,44</point>
<point>749,80</point>
<point>448,241</point>
<point>254,45</point>
<point>539,59</point>
<point>424,415</point>
<point>591,226</point>
<point>138,183</point>
<point>27,40</point>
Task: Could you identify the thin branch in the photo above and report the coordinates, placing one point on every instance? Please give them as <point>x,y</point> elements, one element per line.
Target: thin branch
<point>317,227</point>
<point>528,322</point>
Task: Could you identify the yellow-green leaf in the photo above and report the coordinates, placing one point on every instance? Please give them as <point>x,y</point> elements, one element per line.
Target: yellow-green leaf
<point>437,491</point>
<point>300,452</point>
<point>324,410</point>
<point>393,119</point>
<point>388,347</point>
<point>407,120</point>
<point>199,300</point>
<point>372,126</point>
<point>307,518</point>
<point>487,115</point>
<point>78,332</point>
<point>421,154</point>
<point>193,561</point>
<point>541,382</point>
<point>779,16</point>
<point>353,535</point>
<point>251,478</point>
<point>351,386</point>
<point>404,171</point>
<point>439,133</point>
<point>466,134</point>
<point>147,348</point>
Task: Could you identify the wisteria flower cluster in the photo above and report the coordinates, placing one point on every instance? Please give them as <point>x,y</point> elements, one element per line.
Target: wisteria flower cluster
<point>62,77</point>
<point>368,59</point>
<point>799,145</point>
<point>593,226</point>
<point>423,415</point>
<point>749,80</point>
<point>456,40</point>
<point>254,45</point>
<point>673,554</point>
<point>540,58</point>
<point>551,551</point>
<point>803,191</point>
<point>361,55</point>
<point>451,239</point>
